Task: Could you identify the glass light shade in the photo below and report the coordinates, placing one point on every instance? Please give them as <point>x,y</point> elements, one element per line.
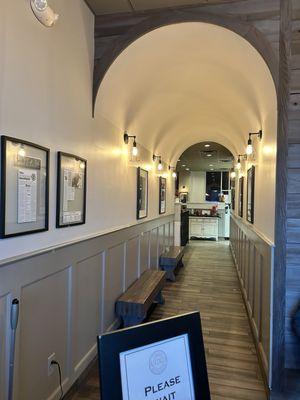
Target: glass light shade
<point>249,149</point>
<point>160,166</point>
<point>233,174</point>
<point>134,151</point>
<point>238,165</point>
<point>174,175</point>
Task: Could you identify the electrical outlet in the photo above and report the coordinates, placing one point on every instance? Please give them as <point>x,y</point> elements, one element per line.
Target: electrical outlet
<point>51,366</point>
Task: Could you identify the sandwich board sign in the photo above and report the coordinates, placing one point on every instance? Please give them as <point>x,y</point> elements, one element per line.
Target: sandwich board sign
<point>161,360</point>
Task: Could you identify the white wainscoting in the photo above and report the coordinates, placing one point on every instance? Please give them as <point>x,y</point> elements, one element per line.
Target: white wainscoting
<point>253,257</point>
<point>67,297</point>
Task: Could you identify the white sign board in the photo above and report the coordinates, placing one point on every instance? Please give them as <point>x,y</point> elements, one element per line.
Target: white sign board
<point>159,371</point>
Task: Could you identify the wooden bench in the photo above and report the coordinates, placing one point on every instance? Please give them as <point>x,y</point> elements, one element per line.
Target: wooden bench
<point>171,260</point>
<point>134,304</point>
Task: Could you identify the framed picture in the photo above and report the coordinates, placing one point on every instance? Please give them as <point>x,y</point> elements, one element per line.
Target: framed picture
<point>71,190</point>
<point>241,197</point>
<point>157,360</point>
<point>24,187</point>
<point>232,186</point>
<point>162,195</point>
<point>250,194</point>
<point>142,193</point>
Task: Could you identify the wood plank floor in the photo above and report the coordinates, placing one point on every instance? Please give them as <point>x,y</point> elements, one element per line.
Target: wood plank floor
<point>208,283</point>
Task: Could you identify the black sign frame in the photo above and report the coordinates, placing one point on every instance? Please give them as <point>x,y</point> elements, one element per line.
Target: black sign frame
<point>110,345</point>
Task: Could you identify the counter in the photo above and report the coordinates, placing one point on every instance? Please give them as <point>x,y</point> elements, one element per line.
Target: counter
<point>204,227</point>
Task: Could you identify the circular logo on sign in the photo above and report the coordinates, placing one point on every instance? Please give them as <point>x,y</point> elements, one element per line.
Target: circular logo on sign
<point>158,362</point>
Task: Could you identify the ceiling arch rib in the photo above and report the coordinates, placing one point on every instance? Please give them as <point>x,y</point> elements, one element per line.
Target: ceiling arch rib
<point>185,83</point>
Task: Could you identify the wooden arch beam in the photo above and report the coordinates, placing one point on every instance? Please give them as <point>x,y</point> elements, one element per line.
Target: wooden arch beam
<point>114,33</point>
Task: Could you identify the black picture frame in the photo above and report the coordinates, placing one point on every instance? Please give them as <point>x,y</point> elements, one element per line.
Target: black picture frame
<point>241,197</point>
<point>250,194</point>
<point>162,195</point>
<point>4,181</point>
<point>59,191</point>
<point>142,194</point>
<point>232,186</point>
<point>110,345</point>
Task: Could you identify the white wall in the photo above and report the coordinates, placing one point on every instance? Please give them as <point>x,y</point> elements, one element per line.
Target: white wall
<point>264,160</point>
<point>197,186</point>
<point>46,98</point>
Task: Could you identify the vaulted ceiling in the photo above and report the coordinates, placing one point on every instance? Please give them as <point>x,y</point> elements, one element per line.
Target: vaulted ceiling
<point>186,83</point>
<point>100,7</point>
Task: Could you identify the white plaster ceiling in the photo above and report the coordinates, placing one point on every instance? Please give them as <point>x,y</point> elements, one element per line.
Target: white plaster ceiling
<point>101,7</point>
<point>187,83</point>
<point>205,156</point>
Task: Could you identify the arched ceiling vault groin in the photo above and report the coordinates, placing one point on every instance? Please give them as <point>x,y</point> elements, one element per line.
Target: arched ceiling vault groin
<point>186,83</point>
<point>114,33</point>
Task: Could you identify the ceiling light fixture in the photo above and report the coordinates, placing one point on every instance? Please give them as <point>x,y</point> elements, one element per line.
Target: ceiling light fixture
<point>209,155</point>
<point>232,175</point>
<point>207,145</point>
<point>134,149</point>
<point>249,149</point>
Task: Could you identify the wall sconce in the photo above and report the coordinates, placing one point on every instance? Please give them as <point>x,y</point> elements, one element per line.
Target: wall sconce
<point>159,166</point>
<point>43,12</point>
<point>232,174</point>
<point>249,149</point>
<point>134,150</point>
<point>240,157</point>
<point>174,175</point>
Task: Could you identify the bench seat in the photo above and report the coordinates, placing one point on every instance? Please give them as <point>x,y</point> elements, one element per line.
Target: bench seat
<point>171,260</point>
<point>134,304</point>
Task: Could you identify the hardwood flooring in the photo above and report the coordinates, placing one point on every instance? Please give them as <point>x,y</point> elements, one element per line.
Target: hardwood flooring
<point>209,283</point>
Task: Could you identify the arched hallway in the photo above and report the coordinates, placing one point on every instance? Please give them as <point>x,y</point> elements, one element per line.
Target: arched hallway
<point>209,72</point>
<point>208,283</point>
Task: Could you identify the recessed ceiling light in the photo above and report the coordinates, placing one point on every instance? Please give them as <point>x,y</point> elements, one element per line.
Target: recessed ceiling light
<point>183,165</point>
<point>187,169</point>
<point>178,159</point>
<point>212,169</point>
<point>209,155</point>
<point>211,165</point>
<point>207,145</point>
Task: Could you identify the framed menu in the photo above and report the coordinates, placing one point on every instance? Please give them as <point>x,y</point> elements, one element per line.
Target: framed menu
<point>241,197</point>
<point>142,194</point>
<point>71,190</point>
<point>162,195</point>
<point>24,187</point>
<point>158,360</point>
<point>250,194</point>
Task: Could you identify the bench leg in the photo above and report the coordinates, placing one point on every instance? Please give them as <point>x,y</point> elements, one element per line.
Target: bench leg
<point>132,320</point>
<point>180,264</point>
<point>171,275</point>
<point>160,298</point>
